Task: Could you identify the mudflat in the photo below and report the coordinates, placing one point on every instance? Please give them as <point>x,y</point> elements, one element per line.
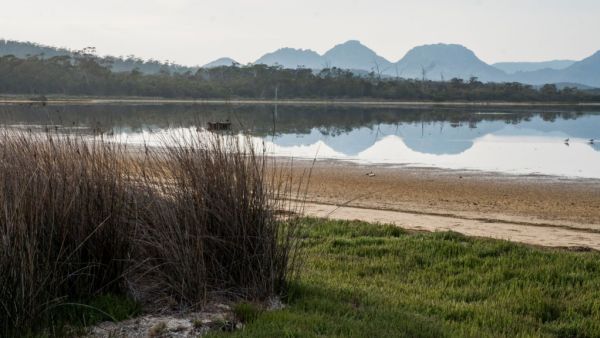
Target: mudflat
<point>540,210</point>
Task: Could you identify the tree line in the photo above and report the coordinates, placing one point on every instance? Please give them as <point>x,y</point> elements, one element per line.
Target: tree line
<point>86,74</point>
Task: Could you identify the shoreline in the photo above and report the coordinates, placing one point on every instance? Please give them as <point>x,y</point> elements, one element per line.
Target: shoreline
<point>9,100</point>
<point>527,209</point>
<point>442,170</point>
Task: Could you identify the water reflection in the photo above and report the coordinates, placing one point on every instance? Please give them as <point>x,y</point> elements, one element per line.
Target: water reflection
<point>534,146</point>
<point>511,141</point>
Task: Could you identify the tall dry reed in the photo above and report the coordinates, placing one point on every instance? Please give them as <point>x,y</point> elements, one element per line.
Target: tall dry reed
<point>174,225</point>
<point>65,223</point>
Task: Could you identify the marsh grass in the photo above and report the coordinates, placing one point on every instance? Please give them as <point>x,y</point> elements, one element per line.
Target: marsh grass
<point>81,218</point>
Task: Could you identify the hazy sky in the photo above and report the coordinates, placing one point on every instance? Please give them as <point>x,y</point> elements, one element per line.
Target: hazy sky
<point>193,32</point>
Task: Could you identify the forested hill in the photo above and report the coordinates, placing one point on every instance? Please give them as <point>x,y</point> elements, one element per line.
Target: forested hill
<point>117,64</point>
<point>27,49</point>
<point>85,74</point>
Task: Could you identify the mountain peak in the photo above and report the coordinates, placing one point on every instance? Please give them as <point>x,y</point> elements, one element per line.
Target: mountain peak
<point>352,54</point>
<point>595,56</point>
<point>351,42</point>
<point>220,62</point>
<point>442,50</point>
<point>292,58</point>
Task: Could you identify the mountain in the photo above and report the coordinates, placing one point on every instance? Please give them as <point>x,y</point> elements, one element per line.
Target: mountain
<point>354,55</point>
<point>515,67</point>
<point>221,62</point>
<point>443,61</point>
<point>293,58</point>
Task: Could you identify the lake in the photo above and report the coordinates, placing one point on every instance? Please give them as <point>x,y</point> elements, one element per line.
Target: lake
<point>515,141</point>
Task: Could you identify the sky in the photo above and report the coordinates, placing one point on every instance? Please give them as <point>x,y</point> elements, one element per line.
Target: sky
<point>194,32</point>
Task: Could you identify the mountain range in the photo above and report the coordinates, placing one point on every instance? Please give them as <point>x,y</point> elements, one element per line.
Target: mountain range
<point>439,62</point>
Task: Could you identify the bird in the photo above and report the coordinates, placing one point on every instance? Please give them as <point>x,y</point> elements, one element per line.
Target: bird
<point>592,141</point>
<point>567,140</point>
<point>371,174</point>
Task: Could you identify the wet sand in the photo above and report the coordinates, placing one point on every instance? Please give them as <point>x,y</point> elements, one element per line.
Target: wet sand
<point>539,210</point>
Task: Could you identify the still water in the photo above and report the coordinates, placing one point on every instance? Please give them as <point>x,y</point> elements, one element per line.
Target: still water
<point>515,141</point>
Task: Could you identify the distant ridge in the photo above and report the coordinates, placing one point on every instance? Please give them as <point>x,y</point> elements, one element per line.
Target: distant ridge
<point>584,72</point>
<point>516,67</point>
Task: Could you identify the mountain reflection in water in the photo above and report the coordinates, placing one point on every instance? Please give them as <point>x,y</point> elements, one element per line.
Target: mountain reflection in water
<point>516,141</point>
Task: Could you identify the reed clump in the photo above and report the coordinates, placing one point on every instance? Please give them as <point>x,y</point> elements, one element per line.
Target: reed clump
<point>174,225</point>
<point>219,228</point>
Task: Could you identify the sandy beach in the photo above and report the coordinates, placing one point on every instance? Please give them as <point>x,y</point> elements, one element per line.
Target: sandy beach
<point>538,210</point>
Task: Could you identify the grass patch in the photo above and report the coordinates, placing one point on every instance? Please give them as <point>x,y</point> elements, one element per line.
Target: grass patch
<point>365,280</point>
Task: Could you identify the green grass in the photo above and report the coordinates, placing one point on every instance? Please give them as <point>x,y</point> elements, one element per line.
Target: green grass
<point>246,312</point>
<point>364,280</point>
